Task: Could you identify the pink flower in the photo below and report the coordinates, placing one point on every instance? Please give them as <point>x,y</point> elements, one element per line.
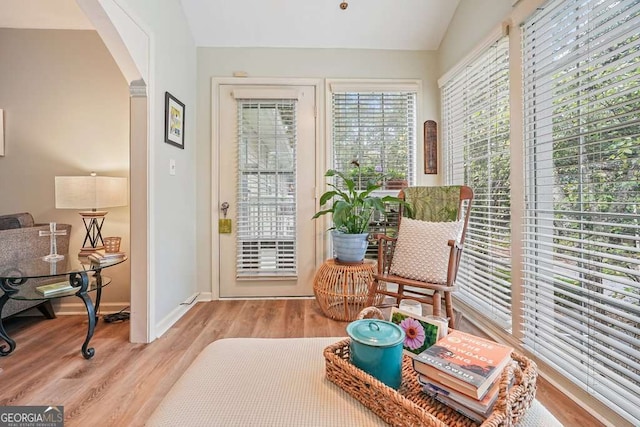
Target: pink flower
<point>415,333</point>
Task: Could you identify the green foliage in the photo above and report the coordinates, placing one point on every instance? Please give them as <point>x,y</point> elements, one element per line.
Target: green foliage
<point>351,208</point>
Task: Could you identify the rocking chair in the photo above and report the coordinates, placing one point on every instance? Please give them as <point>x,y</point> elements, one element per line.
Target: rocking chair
<point>423,259</point>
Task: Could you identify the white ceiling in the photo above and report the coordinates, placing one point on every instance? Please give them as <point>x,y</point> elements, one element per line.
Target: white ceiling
<point>365,24</point>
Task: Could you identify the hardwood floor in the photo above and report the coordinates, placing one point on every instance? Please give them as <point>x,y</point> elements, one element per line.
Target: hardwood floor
<point>124,382</point>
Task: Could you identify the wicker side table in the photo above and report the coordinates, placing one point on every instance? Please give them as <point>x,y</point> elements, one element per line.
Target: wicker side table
<point>341,289</point>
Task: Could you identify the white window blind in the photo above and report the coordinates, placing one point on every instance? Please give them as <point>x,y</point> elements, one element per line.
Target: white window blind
<point>475,135</point>
<point>266,235</point>
<point>376,129</point>
<point>582,168</point>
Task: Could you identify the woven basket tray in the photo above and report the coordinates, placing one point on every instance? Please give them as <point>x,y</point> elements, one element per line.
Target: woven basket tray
<point>409,406</point>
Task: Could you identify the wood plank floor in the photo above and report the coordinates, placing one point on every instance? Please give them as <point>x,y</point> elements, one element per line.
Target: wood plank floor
<point>124,382</point>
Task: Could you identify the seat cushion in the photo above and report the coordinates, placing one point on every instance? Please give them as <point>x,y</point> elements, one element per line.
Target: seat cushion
<point>422,250</point>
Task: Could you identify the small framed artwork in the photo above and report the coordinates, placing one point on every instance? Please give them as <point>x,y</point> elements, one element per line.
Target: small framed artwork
<point>1,132</point>
<point>420,332</point>
<point>430,147</point>
<point>173,121</point>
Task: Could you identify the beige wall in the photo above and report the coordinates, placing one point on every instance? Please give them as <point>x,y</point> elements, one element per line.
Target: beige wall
<point>66,108</point>
<point>294,63</point>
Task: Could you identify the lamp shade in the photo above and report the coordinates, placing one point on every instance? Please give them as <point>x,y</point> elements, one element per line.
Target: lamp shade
<point>90,192</point>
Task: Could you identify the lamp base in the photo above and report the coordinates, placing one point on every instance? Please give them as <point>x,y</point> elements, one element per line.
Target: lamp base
<point>93,221</point>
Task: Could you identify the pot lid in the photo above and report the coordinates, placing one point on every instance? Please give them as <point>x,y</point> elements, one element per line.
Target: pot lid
<point>376,333</point>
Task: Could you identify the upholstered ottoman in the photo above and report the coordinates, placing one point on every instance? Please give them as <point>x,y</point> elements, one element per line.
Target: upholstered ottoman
<point>271,382</point>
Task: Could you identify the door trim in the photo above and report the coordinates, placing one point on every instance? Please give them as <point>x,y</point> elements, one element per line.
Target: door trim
<point>216,82</point>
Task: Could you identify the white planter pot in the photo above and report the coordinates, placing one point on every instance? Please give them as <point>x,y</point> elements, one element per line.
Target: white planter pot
<point>349,247</point>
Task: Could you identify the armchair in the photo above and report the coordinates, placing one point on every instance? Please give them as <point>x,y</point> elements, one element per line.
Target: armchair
<point>423,259</point>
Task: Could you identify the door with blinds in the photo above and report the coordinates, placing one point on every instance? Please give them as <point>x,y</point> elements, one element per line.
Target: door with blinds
<point>267,185</point>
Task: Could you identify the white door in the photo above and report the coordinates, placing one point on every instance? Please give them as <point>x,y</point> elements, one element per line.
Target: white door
<point>267,177</point>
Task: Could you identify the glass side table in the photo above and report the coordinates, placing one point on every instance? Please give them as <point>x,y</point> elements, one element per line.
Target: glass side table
<point>20,279</point>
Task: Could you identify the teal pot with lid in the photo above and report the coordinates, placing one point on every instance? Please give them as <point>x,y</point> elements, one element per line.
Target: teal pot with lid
<point>376,348</point>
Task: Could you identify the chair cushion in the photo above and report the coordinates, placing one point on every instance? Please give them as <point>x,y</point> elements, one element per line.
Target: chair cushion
<point>422,250</point>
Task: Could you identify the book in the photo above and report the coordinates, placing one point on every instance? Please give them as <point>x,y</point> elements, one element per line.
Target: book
<point>467,412</point>
<point>421,333</point>
<point>464,362</point>
<point>105,257</point>
<point>483,406</point>
<point>53,288</point>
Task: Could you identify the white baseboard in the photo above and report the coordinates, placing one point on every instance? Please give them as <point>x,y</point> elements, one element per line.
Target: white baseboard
<point>78,308</point>
<point>205,297</point>
<point>175,315</point>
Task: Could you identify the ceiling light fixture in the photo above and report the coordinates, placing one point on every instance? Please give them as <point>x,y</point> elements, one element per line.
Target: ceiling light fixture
<point>344,5</point>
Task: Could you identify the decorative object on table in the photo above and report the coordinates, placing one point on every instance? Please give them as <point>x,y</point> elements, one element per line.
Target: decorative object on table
<point>53,246</point>
<point>54,288</point>
<point>466,363</point>
<point>173,121</point>
<point>420,333</point>
<point>100,257</point>
<point>351,211</point>
<point>112,244</point>
<point>410,406</point>
<point>376,348</point>
<point>410,306</point>
<point>91,192</point>
<point>430,147</point>
<point>341,289</point>
<point>1,132</point>
<point>423,260</point>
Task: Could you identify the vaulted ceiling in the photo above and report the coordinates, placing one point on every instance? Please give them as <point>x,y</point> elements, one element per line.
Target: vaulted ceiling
<point>364,24</point>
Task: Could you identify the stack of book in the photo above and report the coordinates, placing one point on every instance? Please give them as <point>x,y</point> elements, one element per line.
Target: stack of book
<point>463,371</point>
<point>100,257</point>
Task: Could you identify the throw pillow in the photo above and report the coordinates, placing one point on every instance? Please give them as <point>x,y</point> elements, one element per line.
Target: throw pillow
<point>422,252</point>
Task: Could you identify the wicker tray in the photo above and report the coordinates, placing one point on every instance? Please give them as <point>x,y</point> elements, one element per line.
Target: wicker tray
<point>409,406</point>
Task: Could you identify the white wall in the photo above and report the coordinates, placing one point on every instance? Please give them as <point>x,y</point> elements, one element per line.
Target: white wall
<point>172,227</point>
<point>301,63</point>
<point>66,113</point>
<point>471,23</point>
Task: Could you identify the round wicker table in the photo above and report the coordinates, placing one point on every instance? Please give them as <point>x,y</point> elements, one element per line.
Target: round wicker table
<point>341,289</point>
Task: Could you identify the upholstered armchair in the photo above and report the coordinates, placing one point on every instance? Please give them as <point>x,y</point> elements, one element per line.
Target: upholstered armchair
<point>422,261</point>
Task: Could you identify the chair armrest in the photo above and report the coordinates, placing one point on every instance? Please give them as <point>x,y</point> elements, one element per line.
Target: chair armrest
<point>454,244</point>
<point>381,236</point>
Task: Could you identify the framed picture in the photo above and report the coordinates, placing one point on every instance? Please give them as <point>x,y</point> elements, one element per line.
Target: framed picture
<point>421,333</point>
<point>173,121</point>
<point>430,147</point>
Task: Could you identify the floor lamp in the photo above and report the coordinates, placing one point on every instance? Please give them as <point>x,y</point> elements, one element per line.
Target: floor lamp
<point>91,193</point>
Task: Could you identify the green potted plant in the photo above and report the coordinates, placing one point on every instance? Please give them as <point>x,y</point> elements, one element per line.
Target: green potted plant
<point>351,211</point>
<point>395,180</point>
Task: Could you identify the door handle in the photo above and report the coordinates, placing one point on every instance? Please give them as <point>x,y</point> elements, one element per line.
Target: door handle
<point>224,207</point>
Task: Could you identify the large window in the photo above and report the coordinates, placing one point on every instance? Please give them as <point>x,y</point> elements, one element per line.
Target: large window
<point>374,126</point>
<point>582,186</point>
<point>475,130</point>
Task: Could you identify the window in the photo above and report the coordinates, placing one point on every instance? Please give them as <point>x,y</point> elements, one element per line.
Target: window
<point>475,134</point>
<point>267,143</point>
<point>582,185</point>
<point>376,128</point>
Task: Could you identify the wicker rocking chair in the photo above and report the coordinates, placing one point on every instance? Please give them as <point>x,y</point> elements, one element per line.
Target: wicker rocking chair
<point>432,206</point>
